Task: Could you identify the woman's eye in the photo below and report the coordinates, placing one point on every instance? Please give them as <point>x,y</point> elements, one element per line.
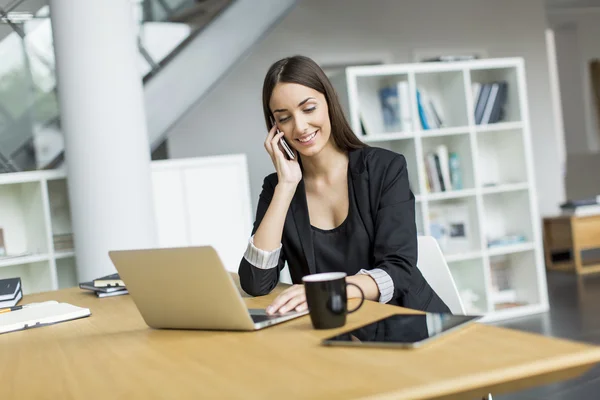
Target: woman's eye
<point>310,109</point>
<point>282,120</point>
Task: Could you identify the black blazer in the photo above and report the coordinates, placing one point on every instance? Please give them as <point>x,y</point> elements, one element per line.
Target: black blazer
<point>386,206</point>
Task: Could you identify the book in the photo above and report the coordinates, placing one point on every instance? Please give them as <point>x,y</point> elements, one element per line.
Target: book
<point>455,171</point>
<point>432,174</point>
<point>506,240</point>
<point>9,288</point>
<point>498,107</point>
<point>489,105</point>
<point>422,114</point>
<point>481,102</point>
<point>106,289</point>
<point>442,153</point>
<point>110,294</point>
<point>40,314</point>
<point>438,170</point>
<point>12,302</point>
<point>406,122</point>
<point>109,280</point>
<point>388,97</point>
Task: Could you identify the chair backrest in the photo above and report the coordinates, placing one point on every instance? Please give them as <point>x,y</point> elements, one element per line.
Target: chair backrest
<point>434,268</point>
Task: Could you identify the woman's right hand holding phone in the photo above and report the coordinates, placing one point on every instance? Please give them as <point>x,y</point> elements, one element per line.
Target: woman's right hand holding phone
<point>288,171</point>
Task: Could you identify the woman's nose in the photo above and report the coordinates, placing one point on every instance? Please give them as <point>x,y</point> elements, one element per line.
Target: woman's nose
<point>301,125</point>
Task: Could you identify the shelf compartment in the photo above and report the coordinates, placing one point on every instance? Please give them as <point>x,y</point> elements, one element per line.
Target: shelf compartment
<point>470,281</point>
<point>22,219</point>
<point>60,216</point>
<point>66,272</point>
<point>460,145</point>
<point>446,91</point>
<point>513,283</point>
<point>511,107</point>
<point>35,276</point>
<point>501,158</point>
<point>375,91</point>
<point>507,214</point>
<point>455,226</point>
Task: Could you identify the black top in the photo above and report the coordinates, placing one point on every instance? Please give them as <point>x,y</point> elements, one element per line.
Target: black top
<point>385,205</point>
<point>345,247</point>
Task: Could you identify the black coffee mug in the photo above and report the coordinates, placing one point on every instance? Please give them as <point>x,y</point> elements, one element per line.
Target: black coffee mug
<point>327,300</point>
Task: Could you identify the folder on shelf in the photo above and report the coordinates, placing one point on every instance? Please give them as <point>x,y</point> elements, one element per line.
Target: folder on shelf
<point>40,314</point>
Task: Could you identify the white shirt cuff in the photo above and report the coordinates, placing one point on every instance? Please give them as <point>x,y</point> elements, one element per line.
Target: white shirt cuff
<point>260,258</point>
<point>384,283</point>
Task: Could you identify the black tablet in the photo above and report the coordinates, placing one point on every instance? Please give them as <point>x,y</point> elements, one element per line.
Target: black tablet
<point>402,330</point>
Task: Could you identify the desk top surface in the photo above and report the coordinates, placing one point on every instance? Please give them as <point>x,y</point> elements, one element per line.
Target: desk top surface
<point>113,353</point>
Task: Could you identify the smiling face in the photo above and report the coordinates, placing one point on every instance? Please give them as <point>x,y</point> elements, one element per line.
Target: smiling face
<point>303,116</point>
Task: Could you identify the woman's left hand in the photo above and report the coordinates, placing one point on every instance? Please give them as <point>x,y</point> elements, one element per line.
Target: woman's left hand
<point>293,298</point>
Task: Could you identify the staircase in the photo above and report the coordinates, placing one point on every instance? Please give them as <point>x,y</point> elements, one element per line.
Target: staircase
<point>185,48</point>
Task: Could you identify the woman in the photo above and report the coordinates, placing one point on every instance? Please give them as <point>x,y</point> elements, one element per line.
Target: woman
<point>339,205</point>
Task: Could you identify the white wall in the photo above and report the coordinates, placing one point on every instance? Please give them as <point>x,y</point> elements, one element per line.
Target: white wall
<point>578,30</point>
<point>229,120</point>
<point>571,86</point>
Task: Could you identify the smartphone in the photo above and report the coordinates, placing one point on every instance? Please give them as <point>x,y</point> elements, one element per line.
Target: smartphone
<point>284,145</point>
<point>287,149</point>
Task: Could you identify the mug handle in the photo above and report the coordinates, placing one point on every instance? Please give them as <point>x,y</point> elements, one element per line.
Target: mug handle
<point>362,297</point>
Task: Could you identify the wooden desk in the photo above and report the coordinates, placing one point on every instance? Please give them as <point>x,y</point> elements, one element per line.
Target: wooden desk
<point>113,354</point>
<point>571,234</point>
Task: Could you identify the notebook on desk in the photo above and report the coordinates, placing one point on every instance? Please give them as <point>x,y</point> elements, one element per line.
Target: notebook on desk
<point>40,314</point>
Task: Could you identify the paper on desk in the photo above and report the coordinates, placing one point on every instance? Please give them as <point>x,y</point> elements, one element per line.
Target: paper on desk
<point>40,314</point>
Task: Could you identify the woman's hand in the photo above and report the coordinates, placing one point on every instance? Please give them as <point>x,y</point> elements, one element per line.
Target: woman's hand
<point>288,171</point>
<point>293,298</point>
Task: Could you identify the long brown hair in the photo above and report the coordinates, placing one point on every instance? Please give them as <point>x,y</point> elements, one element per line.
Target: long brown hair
<point>304,71</point>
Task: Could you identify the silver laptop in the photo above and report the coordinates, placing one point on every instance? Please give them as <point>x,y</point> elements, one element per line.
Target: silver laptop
<point>188,288</point>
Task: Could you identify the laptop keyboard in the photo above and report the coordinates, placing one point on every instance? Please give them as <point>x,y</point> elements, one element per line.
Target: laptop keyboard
<point>262,318</point>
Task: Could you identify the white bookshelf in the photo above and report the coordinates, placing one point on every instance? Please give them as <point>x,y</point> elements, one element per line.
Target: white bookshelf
<point>498,195</point>
<point>34,209</point>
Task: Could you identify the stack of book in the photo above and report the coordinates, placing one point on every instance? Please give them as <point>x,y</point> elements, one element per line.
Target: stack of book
<point>63,241</point>
<point>395,106</point>
<point>581,208</point>
<point>443,170</point>
<point>489,100</point>
<point>430,114</point>
<point>11,292</point>
<point>106,286</point>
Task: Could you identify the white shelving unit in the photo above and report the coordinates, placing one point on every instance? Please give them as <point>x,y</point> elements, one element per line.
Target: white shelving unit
<point>35,215</point>
<point>498,195</point>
